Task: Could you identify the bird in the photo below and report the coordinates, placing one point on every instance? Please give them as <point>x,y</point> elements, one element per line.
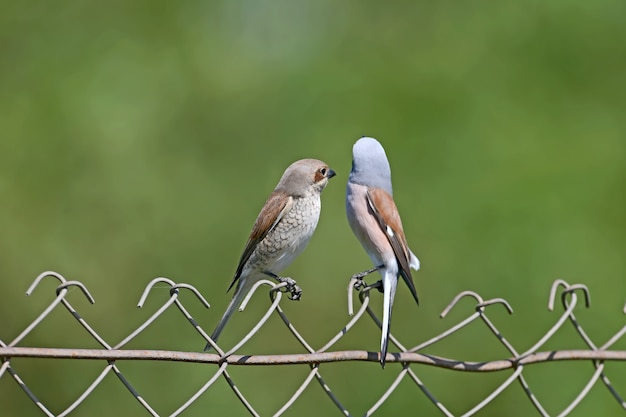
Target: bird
<point>280,233</point>
<point>375,221</point>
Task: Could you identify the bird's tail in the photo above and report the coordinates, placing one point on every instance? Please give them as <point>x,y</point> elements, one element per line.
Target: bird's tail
<point>390,283</point>
<point>413,261</point>
<point>240,293</point>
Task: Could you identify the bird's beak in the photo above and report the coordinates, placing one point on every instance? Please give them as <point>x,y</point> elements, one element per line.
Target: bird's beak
<point>330,173</point>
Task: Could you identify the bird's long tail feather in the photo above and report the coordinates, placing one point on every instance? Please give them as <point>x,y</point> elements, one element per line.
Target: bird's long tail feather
<point>390,283</point>
<point>242,290</point>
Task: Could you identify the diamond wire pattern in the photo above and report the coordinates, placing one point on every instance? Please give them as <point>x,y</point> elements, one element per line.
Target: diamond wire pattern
<point>408,357</point>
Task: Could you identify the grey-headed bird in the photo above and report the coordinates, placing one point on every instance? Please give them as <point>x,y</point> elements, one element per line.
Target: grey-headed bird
<point>281,231</point>
<point>374,219</point>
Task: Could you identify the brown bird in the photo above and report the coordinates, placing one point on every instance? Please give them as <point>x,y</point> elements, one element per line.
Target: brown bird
<point>281,231</point>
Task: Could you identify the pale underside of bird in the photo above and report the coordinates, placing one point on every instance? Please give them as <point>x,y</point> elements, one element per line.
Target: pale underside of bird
<point>375,221</point>
<point>280,233</point>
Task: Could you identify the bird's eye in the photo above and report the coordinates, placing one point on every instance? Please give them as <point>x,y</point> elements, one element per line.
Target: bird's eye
<point>323,171</point>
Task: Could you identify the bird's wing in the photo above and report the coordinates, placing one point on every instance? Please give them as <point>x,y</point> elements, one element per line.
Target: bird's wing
<point>386,214</point>
<point>272,212</point>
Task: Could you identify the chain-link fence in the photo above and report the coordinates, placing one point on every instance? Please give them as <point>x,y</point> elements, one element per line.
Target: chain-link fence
<point>600,356</point>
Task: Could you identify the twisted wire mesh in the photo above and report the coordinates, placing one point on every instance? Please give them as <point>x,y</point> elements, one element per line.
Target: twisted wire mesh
<point>597,355</point>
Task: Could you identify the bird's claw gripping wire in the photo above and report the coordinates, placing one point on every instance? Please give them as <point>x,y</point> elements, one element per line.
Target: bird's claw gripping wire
<point>290,286</point>
<point>359,282</point>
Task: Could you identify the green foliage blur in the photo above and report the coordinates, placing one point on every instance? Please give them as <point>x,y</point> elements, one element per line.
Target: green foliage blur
<point>140,139</point>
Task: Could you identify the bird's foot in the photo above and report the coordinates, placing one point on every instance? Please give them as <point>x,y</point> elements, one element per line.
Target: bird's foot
<point>378,285</point>
<point>291,287</point>
<point>295,292</point>
<point>359,282</point>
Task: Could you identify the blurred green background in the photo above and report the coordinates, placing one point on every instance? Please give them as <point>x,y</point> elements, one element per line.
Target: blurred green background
<point>140,139</point>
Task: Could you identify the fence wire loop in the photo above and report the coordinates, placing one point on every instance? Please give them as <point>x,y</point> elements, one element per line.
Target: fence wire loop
<point>150,286</point>
<point>567,289</point>
<point>193,290</point>
<point>458,298</point>
<point>43,275</point>
<point>317,359</point>
<point>577,287</point>
<point>78,284</point>
<point>501,301</point>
